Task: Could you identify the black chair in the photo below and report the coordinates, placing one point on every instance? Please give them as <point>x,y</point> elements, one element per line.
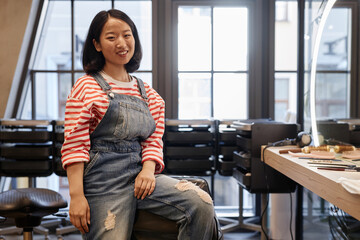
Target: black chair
<point>189,148</point>
<point>26,151</point>
<point>149,226</point>
<point>28,206</point>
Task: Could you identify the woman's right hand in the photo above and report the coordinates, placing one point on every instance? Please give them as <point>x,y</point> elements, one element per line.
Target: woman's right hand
<point>80,213</point>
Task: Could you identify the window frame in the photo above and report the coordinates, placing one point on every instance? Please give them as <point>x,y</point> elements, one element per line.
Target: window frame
<point>28,78</point>
<point>212,71</point>
<point>354,109</point>
<point>256,99</point>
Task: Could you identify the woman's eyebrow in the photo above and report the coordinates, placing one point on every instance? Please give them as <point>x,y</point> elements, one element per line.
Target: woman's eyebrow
<point>112,32</point>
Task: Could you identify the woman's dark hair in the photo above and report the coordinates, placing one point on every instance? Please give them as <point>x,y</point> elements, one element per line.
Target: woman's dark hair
<point>94,61</point>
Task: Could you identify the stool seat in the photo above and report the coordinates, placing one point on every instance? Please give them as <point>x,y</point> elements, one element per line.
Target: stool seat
<point>149,226</point>
<point>28,205</point>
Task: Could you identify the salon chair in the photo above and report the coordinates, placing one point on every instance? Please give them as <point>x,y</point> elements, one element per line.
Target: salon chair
<point>26,151</point>
<point>28,206</point>
<point>149,226</point>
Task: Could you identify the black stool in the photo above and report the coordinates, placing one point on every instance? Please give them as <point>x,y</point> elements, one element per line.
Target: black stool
<point>28,206</point>
<point>26,151</point>
<point>149,226</point>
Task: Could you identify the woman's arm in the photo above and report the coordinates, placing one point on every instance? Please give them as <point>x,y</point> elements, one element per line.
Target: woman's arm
<point>79,208</point>
<point>152,147</point>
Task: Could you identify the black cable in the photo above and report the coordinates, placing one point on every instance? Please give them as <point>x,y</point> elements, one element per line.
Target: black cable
<point>261,217</point>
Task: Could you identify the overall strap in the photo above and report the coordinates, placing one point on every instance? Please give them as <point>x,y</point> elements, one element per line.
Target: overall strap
<point>141,88</point>
<point>103,84</point>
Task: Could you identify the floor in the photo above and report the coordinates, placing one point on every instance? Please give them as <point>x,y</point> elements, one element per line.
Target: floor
<point>311,231</point>
<point>313,228</point>
<point>228,236</point>
<point>76,236</point>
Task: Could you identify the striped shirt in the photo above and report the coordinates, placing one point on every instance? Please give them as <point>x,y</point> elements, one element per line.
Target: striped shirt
<point>86,106</point>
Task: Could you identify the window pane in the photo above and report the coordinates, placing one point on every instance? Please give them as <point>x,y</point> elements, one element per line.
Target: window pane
<point>146,77</point>
<point>141,13</point>
<point>230,96</point>
<point>230,43</point>
<point>54,49</point>
<point>194,38</point>
<point>84,12</point>
<point>285,96</point>
<point>51,92</point>
<point>64,88</point>
<point>25,112</point>
<point>312,11</point>
<point>194,95</point>
<point>286,34</point>
<point>332,95</point>
<point>334,53</point>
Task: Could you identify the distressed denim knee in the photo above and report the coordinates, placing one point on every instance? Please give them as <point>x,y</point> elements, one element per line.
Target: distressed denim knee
<point>201,211</point>
<point>184,185</point>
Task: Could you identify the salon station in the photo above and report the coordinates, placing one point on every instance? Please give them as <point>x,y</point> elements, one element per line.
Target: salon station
<point>261,114</point>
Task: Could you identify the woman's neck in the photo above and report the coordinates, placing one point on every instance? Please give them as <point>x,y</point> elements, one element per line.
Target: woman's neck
<point>119,74</point>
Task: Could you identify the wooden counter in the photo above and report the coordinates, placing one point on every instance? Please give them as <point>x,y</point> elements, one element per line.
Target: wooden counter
<point>321,182</point>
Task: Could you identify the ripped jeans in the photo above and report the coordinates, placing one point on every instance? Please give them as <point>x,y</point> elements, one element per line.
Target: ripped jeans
<point>176,200</point>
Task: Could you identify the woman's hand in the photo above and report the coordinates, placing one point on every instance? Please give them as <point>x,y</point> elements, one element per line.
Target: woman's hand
<point>79,207</point>
<point>80,213</point>
<point>145,180</point>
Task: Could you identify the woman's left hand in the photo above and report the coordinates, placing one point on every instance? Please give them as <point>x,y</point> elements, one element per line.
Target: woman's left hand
<point>145,180</point>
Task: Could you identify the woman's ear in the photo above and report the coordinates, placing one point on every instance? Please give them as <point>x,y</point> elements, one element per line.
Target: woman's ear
<point>97,45</point>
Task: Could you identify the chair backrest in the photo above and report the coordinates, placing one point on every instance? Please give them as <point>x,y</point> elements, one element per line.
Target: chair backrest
<point>26,148</point>
<point>58,140</point>
<point>189,147</point>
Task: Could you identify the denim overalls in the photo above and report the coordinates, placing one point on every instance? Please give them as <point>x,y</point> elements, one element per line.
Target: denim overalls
<point>115,161</point>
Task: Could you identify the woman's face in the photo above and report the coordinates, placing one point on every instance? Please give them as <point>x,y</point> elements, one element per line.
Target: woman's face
<point>116,42</point>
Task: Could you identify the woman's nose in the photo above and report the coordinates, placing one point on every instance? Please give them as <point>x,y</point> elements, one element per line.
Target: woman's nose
<point>120,42</point>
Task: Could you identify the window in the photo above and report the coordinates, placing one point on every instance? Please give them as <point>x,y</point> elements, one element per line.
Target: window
<point>212,62</point>
<point>286,34</point>
<point>334,71</point>
<point>57,53</point>
<point>213,74</point>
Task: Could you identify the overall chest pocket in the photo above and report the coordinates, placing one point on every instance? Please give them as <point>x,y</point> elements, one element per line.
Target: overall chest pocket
<point>134,121</point>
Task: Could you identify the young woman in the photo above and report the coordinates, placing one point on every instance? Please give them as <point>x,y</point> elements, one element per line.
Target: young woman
<point>113,143</point>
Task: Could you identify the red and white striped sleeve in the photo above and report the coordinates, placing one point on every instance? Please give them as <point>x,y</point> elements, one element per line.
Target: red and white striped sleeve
<point>152,147</point>
<point>76,134</point>
<point>85,107</point>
